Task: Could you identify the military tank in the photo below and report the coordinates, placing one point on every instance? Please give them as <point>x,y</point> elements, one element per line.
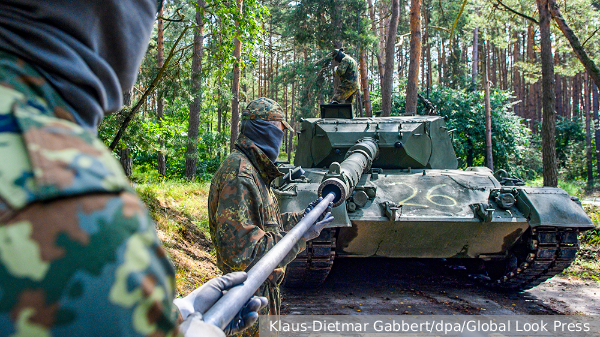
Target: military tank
<point>399,194</point>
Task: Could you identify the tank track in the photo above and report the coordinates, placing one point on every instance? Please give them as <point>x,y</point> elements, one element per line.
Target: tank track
<point>539,255</point>
<point>311,267</point>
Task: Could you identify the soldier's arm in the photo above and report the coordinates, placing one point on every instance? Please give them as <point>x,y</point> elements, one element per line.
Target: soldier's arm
<point>242,238</point>
<point>341,69</point>
<point>290,219</point>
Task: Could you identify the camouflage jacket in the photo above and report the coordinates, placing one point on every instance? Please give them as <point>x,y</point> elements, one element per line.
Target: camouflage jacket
<point>244,216</point>
<point>78,250</point>
<point>348,73</point>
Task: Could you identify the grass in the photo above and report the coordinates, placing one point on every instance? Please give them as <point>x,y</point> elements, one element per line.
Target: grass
<point>587,264</point>
<point>181,214</point>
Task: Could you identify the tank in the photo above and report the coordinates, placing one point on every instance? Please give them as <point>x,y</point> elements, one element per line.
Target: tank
<point>399,194</point>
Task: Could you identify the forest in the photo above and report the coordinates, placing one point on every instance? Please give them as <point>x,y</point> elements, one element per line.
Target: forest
<point>517,79</point>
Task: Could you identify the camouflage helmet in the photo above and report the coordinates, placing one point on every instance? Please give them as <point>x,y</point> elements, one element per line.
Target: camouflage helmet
<point>265,109</point>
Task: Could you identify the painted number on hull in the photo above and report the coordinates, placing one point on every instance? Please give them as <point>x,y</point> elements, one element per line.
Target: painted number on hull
<point>436,199</point>
<point>430,197</point>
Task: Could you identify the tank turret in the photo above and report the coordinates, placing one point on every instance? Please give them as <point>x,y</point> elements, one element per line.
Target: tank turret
<point>415,142</point>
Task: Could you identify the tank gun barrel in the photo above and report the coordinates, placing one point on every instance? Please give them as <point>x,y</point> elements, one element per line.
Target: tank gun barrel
<point>343,177</point>
<point>230,304</point>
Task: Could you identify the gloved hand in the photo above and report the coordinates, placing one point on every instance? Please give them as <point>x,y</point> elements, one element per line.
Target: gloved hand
<point>312,205</point>
<point>323,220</point>
<point>203,298</point>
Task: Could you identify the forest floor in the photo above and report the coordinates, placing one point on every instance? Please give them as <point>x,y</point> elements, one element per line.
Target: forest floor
<point>370,286</point>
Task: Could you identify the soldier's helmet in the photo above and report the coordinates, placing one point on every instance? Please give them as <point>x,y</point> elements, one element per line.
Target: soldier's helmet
<point>338,54</point>
<point>265,109</point>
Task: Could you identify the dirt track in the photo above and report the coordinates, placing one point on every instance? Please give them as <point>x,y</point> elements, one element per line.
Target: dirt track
<point>417,287</point>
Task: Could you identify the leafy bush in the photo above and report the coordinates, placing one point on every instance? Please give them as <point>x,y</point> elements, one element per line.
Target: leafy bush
<point>511,139</point>
<point>570,148</point>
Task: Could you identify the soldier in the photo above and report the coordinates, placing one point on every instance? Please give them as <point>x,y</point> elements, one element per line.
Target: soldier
<point>79,254</point>
<point>347,71</point>
<point>244,217</point>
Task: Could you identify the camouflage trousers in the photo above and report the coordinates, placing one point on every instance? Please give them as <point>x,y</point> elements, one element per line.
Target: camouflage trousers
<point>79,255</point>
<point>344,95</point>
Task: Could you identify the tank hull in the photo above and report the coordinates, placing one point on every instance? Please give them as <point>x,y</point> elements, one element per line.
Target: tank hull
<point>435,218</point>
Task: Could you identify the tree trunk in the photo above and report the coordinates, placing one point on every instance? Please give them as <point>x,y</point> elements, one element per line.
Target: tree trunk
<point>375,31</point>
<point>557,83</point>
<point>441,61</point>
<point>588,130</point>
<point>566,97</point>
<point>412,84</point>
<point>292,114</point>
<point>388,74</point>
<point>597,125</point>
<point>125,153</point>
<point>364,83</point>
<point>488,110</point>
<point>531,104</point>
<point>475,65</point>
<point>126,161</point>
<point>220,108</point>
<point>235,87</point>
<point>400,60</point>
<point>428,50</point>
<point>576,94</point>
<point>504,67</point>
<point>384,12</point>
<point>160,157</point>
<point>516,81</point>
<point>191,158</point>
<point>550,170</point>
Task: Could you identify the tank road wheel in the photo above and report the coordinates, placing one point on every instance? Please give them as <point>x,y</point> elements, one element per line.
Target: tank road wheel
<point>540,253</point>
<point>311,267</point>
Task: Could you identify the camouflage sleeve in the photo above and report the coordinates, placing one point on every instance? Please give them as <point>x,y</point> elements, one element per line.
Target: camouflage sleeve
<point>290,219</point>
<point>341,69</point>
<point>83,264</point>
<point>239,239</point>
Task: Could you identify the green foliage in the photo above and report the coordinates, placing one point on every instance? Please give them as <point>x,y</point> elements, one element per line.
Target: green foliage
<point>324,23</point>
<point>573,187</point>
<point>591,237</point>
<point>465,110</point>
<point>570,148</point>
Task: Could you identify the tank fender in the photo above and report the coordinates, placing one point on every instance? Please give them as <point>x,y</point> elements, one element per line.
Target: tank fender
<point>551,206</point>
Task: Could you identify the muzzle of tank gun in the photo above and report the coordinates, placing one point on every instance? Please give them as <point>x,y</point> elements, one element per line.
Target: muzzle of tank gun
<point>343,177</point>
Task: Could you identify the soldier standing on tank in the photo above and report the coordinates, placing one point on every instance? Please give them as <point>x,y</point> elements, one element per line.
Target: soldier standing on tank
<point>245,222</point>
<point>79,254</point>
<point>347,71</point>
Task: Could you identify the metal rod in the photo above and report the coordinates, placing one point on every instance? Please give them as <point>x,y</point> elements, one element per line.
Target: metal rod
<point>232,302</point>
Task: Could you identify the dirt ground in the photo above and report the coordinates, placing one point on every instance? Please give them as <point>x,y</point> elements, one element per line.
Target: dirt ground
<point>421,287</point>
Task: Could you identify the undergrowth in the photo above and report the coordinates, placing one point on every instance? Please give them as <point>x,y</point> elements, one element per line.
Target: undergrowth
<point>180,211</point>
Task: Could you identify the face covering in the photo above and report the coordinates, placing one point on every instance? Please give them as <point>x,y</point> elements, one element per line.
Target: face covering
<point>90,51</point>
<point>265,135</point>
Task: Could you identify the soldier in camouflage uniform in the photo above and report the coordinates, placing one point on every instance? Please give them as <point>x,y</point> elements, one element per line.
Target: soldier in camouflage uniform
<point>347,71</point>
<point>79,254</point>
<point>244,217</point>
